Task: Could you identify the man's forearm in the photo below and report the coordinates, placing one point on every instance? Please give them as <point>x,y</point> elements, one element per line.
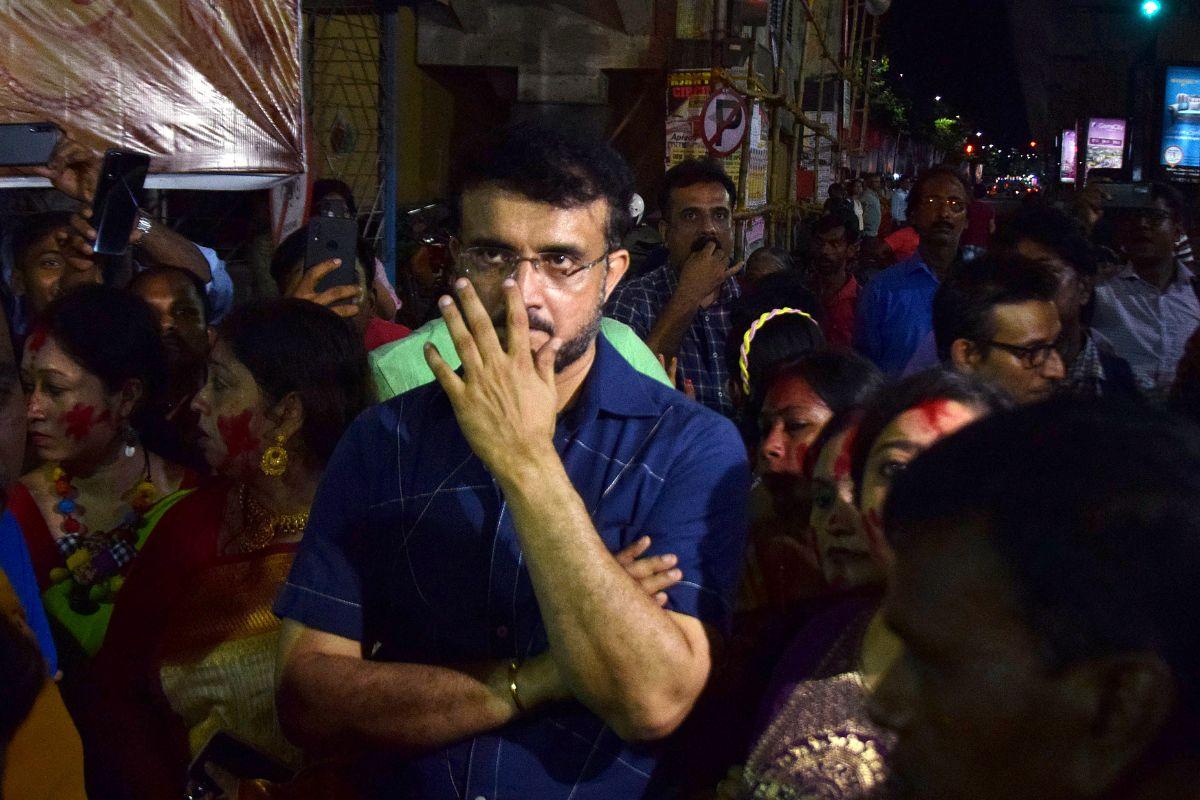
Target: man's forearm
<point>331,701</point>
<point>164,247</point>
<point>666,337</point>
<point>617,650</point>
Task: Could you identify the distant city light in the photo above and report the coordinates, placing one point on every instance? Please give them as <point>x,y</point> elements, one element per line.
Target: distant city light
<point>937,98</point>
<point>1150,8</point>
<point>1033,144</point>
<point>896,175</point>
<point>979,133</point>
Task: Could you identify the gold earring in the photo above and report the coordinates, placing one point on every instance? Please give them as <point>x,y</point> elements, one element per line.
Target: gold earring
<point>275,458</point>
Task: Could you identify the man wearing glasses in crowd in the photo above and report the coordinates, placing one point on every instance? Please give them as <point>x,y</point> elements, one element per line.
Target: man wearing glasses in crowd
<point>996,319</point>
<point>895,309</point>
<point>683,308</point>
<point>1149,309</point>
<point>460,606</point>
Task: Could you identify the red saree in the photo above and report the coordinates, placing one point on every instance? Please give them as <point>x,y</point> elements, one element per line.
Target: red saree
<point>191,649</point>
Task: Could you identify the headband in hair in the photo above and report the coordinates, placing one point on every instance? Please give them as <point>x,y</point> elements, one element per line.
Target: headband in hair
<point>752,331</point>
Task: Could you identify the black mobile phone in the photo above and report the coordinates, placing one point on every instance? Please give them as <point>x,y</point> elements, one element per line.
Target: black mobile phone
<point>235,757</point>
<point>27,144</point>
<point>333,233</point>
<point>118,196</point>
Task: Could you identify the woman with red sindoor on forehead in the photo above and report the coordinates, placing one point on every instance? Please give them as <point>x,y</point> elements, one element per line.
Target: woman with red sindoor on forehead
<point>817,740</point>
<point>191,649</point>
<point>93,373</point>
<point>800,398</point>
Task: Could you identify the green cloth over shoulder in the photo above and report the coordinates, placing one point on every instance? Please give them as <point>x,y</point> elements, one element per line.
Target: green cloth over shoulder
<point>400,366</point>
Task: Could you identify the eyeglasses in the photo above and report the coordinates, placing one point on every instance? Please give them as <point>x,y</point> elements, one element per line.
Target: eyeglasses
<point>1033,356</point>
<point>955,205</point>
<point>497,263</point>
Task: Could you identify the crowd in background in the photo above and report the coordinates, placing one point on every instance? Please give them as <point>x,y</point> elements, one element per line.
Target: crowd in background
<point>909,511</point>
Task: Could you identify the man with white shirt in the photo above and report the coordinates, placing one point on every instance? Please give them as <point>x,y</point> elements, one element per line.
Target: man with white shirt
<point>1149,309</point>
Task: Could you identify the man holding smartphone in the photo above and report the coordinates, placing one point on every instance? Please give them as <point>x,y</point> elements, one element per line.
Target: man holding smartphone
<point>74,171</point>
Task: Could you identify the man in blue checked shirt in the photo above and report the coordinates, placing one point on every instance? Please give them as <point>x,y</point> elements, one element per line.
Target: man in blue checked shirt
<point>683,308</point>
<point>462,605</point>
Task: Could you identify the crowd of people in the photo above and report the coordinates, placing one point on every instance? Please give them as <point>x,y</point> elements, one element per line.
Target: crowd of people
<point>897,514</point>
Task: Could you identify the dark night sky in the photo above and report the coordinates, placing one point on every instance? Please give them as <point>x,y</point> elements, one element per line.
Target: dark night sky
<point>965,56</point>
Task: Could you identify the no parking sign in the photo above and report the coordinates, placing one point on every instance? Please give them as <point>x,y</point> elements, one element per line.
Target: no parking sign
<point>725,122</point>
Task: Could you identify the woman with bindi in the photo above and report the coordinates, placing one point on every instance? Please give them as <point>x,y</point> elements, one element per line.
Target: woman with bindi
<point>817,735</point>
<point>93,372</point>
<point>799,399</point>
<point>191,651</point>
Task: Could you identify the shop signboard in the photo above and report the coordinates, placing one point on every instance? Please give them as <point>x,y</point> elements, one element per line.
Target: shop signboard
<point>1105,144</point>
<point>1070,153</point>
<point>688,92</point>
<point>1179,149</point>
<point>759,167</point>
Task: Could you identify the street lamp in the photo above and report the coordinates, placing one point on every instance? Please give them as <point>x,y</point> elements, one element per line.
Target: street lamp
<point>979,133</point>
<point>937,98</point>
<point>1150,8</point>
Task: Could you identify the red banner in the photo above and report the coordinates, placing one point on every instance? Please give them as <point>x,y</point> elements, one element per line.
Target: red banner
<point>200,85</point>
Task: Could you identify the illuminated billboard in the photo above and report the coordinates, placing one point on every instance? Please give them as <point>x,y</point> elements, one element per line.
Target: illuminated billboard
<point>1179,150</point>
<point>1070,143</point>
<point>1105,144</point>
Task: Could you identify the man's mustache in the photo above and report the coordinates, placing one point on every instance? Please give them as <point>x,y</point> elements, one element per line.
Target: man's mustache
<point>535,323</point>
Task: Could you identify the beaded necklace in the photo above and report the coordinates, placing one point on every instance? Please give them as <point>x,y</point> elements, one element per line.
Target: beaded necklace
<point>96,559</point>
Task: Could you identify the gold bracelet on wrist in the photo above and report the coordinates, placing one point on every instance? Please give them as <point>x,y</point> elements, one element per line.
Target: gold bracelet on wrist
<point>513,667</point>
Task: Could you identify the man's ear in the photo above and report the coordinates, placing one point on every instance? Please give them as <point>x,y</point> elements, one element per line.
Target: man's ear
<point>663,227</point>
<point>964,355</point>
<point>618,265</point>
<point>1119,706</point>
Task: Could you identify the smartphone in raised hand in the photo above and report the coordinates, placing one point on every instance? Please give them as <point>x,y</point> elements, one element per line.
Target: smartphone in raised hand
<point>333,233</point>
<point>118,196</point>
<point>27,144</point>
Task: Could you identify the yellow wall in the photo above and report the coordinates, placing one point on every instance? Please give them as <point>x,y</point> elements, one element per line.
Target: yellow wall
<point>425,120</point>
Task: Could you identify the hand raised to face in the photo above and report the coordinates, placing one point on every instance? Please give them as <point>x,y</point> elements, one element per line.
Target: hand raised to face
<point>506,401</point>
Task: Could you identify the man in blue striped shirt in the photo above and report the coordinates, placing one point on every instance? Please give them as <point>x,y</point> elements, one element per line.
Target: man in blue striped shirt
<point>457,605</point>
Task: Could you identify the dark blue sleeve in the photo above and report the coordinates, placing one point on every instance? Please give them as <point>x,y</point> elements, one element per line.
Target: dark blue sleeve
<point>18,568</point>
<point>701,517</point>
<point>325,588</point>
<point>866,324</point>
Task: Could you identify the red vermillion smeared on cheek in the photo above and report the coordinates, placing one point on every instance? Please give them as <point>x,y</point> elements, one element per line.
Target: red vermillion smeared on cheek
<point>841,467</point>
<point>81,420</point>
<point>236,434</point>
